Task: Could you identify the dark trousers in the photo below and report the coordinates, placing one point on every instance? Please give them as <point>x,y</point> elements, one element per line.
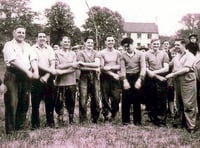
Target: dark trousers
<point>110,91</point>
<point>131,96</point>
<point>16,100</point>
<point>67,95</point>
<point>156,93</point>
<point>89,87</point>
<point>44,91</point>
<point>198,96</point>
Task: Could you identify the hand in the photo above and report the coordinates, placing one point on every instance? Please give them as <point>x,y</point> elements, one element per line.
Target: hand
<point>151,74</point>
<point>81,63</point>
<point>3,89</point>
<point>53,71</point>
<point>36,76</point>
<point>107,68</point>
<point>126,84</point>
<point>171,75</point>
<point>115,76</point>
<point>29,74</point>
<point>76,65</point>
<point>161,78</point>
<point>138,84</point>
<point>45,78</point>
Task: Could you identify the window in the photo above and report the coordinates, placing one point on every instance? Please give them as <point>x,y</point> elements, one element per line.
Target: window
<point>138,44</point>
<point>139,35</point>
<point>149,35</point>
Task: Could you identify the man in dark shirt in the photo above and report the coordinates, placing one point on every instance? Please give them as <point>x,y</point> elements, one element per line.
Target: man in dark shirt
<point>133,69</point>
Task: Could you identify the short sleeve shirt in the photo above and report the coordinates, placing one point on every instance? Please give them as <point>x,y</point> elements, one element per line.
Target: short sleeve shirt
<point>24,53</point>
<point>155,61</point>
<point>134,64</point>
<point>85,57</point>
<point>65,57</point>
<point>45,55</point>
<point>183,60</point>
<point>110,58</point>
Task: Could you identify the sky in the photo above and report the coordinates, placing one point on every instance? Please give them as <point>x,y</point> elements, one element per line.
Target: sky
<point>166,14</point>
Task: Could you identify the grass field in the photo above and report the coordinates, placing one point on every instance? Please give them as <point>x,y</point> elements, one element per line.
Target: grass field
<point>101,135</point>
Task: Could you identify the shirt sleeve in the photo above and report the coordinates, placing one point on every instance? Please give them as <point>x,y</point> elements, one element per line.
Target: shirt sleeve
<point>9,53</point>
<point>189,61</point>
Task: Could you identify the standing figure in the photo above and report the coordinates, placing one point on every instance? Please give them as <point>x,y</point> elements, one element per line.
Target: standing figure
<point>66,83</point>
<point>21,67</point>
<point>43,88</point>
<point>110,84</point>
<point>185,85</point>
<point>170,82</point>
<point>193,47</point>
<point>155,84</point>
<point>89,85</point>
<point>134,69</point>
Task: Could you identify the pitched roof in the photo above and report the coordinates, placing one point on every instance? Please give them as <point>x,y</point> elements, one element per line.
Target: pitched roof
<point>140,27</point>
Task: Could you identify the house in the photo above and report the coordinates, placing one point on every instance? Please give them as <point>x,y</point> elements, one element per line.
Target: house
<point>141,33</point>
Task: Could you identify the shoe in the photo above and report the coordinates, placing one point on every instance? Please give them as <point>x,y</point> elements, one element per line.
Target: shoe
<point>192,131</point>
<point>125,123</point>
<point>106,119</point>
<point>71,118</point>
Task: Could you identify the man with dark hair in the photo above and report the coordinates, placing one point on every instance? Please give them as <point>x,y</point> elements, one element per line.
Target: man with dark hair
<point>133,69</point>
<point>21,67</point>
<point>43,88</point>
<point>185,85</point>
<point>66,83</point>
<point>89,84</point>
<point>110,84</point>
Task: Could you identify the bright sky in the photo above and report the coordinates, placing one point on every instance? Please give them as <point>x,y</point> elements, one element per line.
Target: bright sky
<point>166,13</point>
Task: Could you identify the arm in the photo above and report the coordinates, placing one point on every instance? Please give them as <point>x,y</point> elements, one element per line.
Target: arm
<point>162,70</point>
<point>177,73</point>
<point>94,64</point>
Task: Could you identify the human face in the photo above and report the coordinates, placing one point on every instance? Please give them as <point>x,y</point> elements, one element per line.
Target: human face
<point>128,48</point>
<point>165,45</point>
<point>193,39</point>
<point>66,43</point>
<point>55,47</point>
<point>19,34</point>
<point>110,42</point>
<point>42,39</point>
<point>180,48</point>
<point>89,44</point>
<point>155,45</point>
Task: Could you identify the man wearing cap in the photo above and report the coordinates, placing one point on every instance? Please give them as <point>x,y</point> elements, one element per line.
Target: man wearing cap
<point>89,85</point>
<point>193,45</point>
<point>110,84</point>
<point>133,69</point>
<point>21,67</point>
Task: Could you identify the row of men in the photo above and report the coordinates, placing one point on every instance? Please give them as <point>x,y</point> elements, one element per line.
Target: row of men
<point>51,75</point>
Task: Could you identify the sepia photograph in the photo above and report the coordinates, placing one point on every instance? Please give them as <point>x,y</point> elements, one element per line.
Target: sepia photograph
<point>99,74</point>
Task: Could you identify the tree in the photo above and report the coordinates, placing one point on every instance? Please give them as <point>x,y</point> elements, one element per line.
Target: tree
<point>13,12</point>
<point>101,21</point>
<point>191,24</point>
<point>60,22</point>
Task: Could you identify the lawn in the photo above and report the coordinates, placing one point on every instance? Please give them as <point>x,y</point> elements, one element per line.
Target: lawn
<point>101,135</point>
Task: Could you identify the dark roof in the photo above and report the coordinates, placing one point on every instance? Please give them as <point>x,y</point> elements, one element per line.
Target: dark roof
<point>140,27</point>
